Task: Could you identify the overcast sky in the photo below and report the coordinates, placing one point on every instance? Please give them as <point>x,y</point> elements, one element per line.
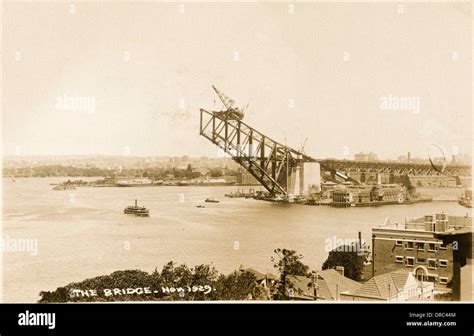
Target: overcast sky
<point>320,72</point>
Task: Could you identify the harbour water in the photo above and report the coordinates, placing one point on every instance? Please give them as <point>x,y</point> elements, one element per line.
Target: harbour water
<point>83,233</point>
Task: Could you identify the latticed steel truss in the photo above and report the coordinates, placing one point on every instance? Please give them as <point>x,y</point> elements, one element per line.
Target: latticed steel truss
<point>271,163</point>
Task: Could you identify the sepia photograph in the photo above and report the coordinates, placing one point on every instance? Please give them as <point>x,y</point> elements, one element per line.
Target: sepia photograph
<point>244,152</point>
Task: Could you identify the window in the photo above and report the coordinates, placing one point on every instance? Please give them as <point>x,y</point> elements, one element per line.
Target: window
<point>420,246</point>
<point>443,280</point>
<point>398,243</point>
<point>432,263</point>
<point>421,260</point>
<point>409,261</point>
<point>443,263</point>
<point>399,259</point>
<point>442,247</point>
<point>432,247</point>
<point>409,246</point>
<point>430,278</point>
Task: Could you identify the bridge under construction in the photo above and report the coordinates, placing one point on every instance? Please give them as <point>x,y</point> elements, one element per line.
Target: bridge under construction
<point>283,170</point>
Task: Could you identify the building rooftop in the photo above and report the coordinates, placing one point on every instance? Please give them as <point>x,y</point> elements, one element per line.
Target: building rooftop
<point>383,286</point>
<point>258,275</point>
<point>330,284</point>
<point>440,224</point>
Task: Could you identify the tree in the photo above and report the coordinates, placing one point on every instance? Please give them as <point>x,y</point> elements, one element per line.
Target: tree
<point>348,257</point>
<point>189,172</point>
<point>215,172</point>
<point>288,263</point>
<point>238,286</point>
<point>119,279</point>
<point>203,282</point>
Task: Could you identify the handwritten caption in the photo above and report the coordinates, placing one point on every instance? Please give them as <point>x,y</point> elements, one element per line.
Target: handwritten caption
<point>205,289</point>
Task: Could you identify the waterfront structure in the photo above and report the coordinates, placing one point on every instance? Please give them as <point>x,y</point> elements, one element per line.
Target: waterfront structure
<point>398,286</point>
<point>364,195</point>
<point>436,248</point>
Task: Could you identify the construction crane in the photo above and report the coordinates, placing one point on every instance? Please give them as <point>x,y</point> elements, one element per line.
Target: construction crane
<point>231,112</point>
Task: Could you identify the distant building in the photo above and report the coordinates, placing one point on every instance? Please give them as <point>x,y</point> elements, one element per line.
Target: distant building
<point>465,181</point>
<point>398,286</point>
<point>402,158</point>
<point>365,157</point>
<point>432,181</point>
<point>245,178</point>
<point>442,188</point>
<point>435,248</point>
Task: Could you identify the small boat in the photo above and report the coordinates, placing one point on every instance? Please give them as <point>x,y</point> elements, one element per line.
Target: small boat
<point>136,210</point>
<point>211,200</point>
<point>200,206</point>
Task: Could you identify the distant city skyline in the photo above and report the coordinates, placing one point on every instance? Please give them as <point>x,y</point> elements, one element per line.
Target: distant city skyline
<point>460,157</point>
<point>135,85</point>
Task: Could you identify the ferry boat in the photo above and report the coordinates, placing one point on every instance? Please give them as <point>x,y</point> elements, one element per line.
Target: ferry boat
<point>136,210</point>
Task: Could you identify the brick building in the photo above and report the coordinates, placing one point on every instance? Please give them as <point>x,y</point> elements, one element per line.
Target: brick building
<point>435,248</point>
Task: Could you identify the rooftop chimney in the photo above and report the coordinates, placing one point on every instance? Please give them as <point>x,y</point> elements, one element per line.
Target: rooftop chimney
<point>340,270</point>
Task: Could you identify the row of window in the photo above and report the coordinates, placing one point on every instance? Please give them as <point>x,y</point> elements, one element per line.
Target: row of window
<point>410,245</point>
<point>442,280</point>
<point>432,263</point>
